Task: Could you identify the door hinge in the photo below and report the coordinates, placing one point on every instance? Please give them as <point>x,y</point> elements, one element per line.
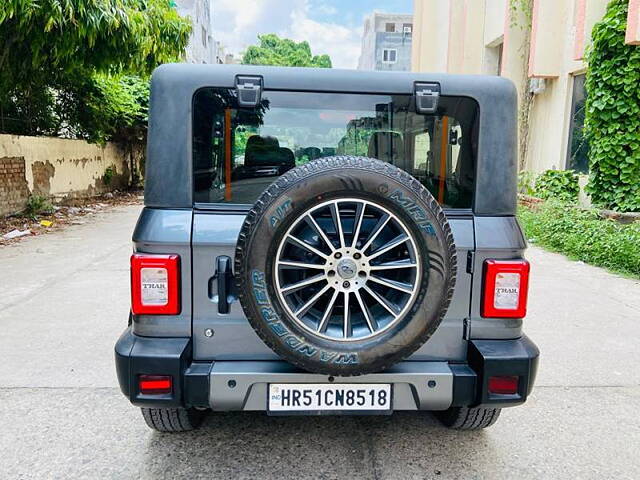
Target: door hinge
<point>249,89</point>
<point>426,95</point>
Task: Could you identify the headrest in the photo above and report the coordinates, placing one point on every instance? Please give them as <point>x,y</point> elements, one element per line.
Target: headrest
<point>261,151</point>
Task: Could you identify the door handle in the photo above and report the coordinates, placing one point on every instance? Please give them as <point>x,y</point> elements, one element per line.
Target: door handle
<point>224,276</point>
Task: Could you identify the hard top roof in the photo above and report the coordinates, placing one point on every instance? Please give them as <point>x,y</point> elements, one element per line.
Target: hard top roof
<point>168,180</point>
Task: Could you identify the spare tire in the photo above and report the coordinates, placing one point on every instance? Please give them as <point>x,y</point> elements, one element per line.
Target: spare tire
<point>345,265</point>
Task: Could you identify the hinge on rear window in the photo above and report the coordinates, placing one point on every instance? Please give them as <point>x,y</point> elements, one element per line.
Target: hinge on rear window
<point>249,90</point>
<point>426,95</point>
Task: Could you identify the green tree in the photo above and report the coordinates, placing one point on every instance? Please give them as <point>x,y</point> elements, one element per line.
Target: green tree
<point>274,50</point>
<point>612,120</point>
<point>68,66</point>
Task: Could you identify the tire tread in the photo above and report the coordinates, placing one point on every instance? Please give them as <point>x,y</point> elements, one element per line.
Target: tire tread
<point>469,418</point>
<point>172,419</point>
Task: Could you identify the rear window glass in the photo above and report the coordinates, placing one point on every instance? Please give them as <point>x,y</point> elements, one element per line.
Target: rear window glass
<point>238,152</point>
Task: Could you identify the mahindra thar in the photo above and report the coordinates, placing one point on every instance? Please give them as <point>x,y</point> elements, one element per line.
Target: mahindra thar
<point>319,241</point>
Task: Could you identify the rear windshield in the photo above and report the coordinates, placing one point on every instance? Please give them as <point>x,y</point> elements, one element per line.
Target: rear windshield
<point>238,152</point>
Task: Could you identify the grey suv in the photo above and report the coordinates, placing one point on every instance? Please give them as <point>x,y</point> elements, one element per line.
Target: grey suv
<point>319,241</point>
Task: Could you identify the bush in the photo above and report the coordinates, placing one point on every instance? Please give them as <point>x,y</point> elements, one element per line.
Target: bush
<point>583,235</point>
<point>525,182</point>
<point>558,184</point>
<point>38,205</point>
<point>612,119</point>
<point>109,172</point>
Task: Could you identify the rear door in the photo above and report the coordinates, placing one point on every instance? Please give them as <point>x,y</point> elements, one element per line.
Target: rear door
<point>214,240</point>
<point>239,151</point>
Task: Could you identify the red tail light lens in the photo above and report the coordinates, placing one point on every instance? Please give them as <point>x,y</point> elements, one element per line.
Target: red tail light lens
<point>505,288</point>
<point>155,284</point>
<point>155,384</point>
<point>503,385</point>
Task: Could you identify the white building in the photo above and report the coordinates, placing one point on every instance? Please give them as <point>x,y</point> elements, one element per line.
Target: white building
<point>386,42</point>
<point>202,47</point>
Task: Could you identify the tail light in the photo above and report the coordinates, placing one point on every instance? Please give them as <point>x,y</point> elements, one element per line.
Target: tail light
<point>505,288</point>
<point>503,385</point>
<point>155,384</point>
<point>155,284</point>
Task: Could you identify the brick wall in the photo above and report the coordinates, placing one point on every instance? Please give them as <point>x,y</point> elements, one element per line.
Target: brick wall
<point>14,189</point>
<point>57,168</point>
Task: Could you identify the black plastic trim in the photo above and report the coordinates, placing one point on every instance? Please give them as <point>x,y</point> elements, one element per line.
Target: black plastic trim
<point>196,384</point>
<point>464,385</point>
<point>503,357</point>
<point>137,355</point>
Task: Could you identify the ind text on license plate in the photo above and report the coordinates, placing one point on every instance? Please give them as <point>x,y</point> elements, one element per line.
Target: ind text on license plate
<point>301,397</point>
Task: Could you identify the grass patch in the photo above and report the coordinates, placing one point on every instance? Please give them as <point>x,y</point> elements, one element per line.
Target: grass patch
<point>37,205</point>
<point>583,235</point>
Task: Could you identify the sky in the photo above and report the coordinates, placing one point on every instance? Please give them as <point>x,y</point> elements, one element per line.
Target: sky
<point>333,27</point>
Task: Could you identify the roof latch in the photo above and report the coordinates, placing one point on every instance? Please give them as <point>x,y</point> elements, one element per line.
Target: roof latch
<point>427,95</point>
<point>249,90</point>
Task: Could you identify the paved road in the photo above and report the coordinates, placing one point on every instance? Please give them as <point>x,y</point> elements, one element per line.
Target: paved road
<point>63,303</point>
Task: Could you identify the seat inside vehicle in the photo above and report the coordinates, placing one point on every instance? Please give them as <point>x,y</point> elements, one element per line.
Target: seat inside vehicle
<point>386,146</point>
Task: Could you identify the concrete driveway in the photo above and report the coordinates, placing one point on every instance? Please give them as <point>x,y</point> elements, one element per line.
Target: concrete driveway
<point>64,301</point>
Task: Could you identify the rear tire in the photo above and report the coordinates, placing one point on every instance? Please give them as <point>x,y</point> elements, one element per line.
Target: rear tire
<point>172,419</point>
<point>465,418</point>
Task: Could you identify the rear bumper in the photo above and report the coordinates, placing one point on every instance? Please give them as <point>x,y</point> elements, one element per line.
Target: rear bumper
<point>242,385</point>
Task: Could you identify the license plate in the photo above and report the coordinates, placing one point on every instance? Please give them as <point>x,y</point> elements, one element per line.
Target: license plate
<point>307,397</point>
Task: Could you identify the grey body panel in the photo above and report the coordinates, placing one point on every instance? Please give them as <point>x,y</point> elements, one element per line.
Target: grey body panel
<point>166,231</point>
<point>410,384</point>
<point>168,179</point>
<point>215,234</point>
<point>498,238</point>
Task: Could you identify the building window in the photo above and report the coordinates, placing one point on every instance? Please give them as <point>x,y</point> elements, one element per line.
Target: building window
<point>578,149</point>
<point>389,55</point>
<point>407,29</point>
<point>390,27</point>
<point>204,37</point>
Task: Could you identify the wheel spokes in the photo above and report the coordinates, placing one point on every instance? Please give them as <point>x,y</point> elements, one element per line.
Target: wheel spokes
<point>324,321</point>
<point>357,222</point>
<point>347,316</point>
<point>396,264</point>
<point>376,230</point>
<point>371,322</point>
<point>403,287</point>
<point>400,239</point>
<point>302,265</point>
<point>335,214</point>
<point>305,245</point>
<point>312,222</point>
<point>336,251</point>
<point>311,302</point>
<point>381,301</point>
<point>303,283</point>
